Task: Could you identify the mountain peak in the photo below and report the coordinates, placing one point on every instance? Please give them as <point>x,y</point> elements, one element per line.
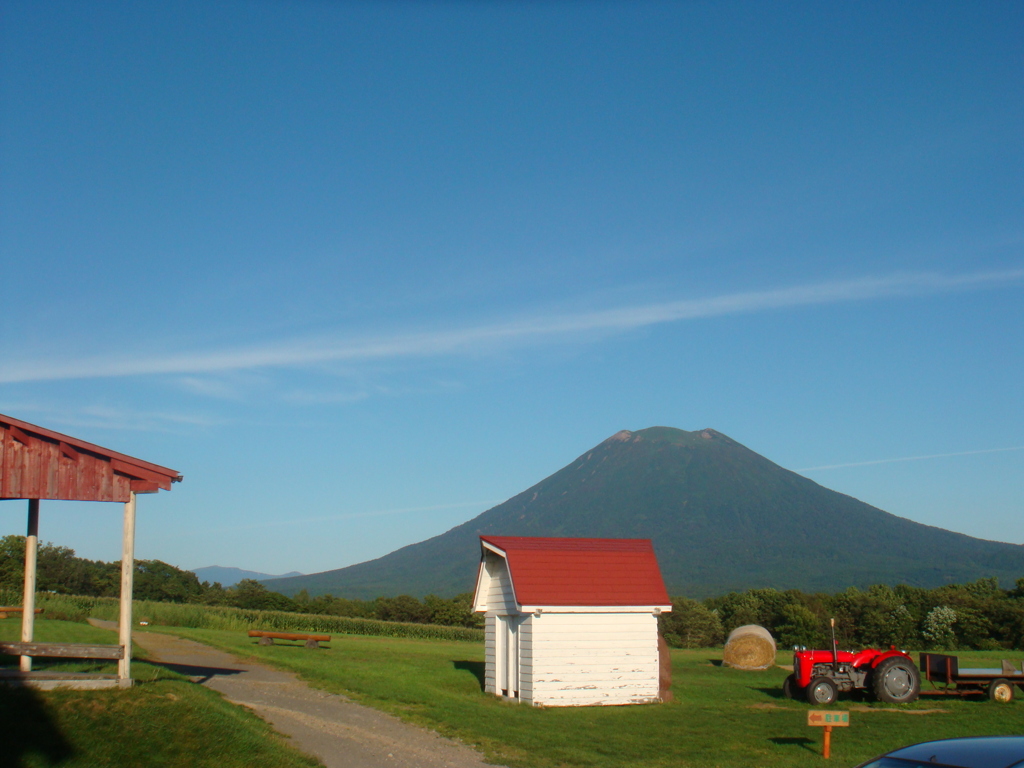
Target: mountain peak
<point>663,434</point>
<point>669,435</point>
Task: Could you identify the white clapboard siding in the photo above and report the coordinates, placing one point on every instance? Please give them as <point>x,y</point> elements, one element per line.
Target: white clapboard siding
<point>489,654</point>
<point>615,623</point>
<point>638,687</point>
<point>578,654</point>
<point>635,665</point>
<point>623,622</point>
<point>623,619</point>
<point>526,659</point>
<point>582,698</point>
<point>567,650</point>
<point>579,678</point>
<point>546,671</point>
<point>573,654</point>
<point>541,661</point>
<point>579,659</point>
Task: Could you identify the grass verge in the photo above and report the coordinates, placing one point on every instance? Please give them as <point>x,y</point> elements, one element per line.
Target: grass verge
<point>164,720</point>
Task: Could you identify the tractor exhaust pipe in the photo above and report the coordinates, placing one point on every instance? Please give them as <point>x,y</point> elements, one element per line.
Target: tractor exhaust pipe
<point>835,648</point>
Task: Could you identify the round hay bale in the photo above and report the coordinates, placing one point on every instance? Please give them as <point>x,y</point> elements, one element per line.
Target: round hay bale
<point>749,647</point>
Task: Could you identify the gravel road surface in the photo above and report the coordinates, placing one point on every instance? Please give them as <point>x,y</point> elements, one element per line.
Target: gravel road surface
<point>335,729</point>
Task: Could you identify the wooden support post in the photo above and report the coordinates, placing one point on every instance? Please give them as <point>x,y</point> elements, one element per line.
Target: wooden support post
<point>28,613</point>
<point>127,583</point>
<point>826,752</point>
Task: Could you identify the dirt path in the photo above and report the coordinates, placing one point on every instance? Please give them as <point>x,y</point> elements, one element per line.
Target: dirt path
<point>336,730</point>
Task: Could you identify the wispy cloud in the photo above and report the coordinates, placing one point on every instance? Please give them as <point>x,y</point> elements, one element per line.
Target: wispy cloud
<point>329,396</point>
<point>209,387</point>
<point>110,417</point>
<point>908,458</point>
<point>301,352</point>
<point>306,397</point>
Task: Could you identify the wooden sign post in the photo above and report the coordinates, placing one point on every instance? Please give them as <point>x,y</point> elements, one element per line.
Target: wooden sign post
<point>829,720</point>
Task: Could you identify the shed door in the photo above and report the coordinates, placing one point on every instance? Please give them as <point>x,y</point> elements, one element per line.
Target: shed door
<point>507,655</point>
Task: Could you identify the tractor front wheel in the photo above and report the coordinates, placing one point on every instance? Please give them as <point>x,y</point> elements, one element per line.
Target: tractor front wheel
<point>791,688</point>
<point>896,680</point>
<point>822,691</point>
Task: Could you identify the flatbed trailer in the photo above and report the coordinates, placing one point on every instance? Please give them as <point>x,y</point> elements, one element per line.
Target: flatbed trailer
<point>948,679</point>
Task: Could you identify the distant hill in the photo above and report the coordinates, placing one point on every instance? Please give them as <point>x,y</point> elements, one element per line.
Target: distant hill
<point>228,577</point>
<point>721,516</point>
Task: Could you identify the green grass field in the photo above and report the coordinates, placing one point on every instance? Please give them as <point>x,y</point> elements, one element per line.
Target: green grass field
<point>164,720</point>
<point>720,717</point>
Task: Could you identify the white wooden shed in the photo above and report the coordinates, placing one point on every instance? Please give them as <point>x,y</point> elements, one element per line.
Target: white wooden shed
<point>571,622</point>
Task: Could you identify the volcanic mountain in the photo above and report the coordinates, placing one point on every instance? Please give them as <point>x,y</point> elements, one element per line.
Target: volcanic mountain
<point>721,517</point>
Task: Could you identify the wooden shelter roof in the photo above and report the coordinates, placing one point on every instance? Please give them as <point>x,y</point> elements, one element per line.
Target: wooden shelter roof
<point>582,572</point>
<point>38,463</point>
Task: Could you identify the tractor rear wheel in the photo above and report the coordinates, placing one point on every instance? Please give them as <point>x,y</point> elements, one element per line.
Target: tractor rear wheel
<point>791,688</point>
<point>822,691</point>
<point>896,680</point>
<point>1001,691</point>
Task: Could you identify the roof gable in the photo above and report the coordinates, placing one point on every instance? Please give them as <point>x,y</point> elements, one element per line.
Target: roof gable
<point>582,572</point>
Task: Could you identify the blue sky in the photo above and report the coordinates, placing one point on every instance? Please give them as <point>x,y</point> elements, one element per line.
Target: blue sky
<point>361,271</point>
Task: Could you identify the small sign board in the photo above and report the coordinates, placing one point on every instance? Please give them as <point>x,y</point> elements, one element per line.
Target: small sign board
<point>829,718</point>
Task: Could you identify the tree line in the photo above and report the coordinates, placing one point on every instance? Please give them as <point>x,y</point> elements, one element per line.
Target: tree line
<point>974,616</point>
<point>60,570</point>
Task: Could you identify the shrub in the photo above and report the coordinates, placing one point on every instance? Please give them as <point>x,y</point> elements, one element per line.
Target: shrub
<point>799,626</point>
<point>690,625</point>
<point>938,628</point>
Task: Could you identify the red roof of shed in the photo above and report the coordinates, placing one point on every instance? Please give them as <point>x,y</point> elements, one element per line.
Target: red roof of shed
<point>550,571</point>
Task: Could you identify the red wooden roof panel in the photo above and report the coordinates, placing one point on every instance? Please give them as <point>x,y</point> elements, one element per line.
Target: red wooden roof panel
<point>38,463</point>
<point>584,572</point>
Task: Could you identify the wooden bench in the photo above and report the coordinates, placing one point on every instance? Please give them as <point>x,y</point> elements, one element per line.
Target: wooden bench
<point>267,638</point>
<point>6,610</point>
<point>47,679</point>
<point>63,650</point>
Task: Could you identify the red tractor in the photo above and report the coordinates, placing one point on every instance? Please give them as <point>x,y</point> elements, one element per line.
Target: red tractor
<point>819,676</point>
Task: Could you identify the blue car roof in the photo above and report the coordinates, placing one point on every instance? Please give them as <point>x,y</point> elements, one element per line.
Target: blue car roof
<point>969,752</point>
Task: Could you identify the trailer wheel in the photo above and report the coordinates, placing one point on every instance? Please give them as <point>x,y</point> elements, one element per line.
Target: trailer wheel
<point>822,691</point>
<point>1001,691</point>
<point>896,680</point>
<point>791,689</point>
